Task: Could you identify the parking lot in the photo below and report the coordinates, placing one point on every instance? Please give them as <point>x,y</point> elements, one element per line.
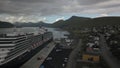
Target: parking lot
<point>57,58</point>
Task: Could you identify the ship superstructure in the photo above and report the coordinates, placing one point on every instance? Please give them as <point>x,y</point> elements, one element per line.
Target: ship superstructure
<point>19,44</point>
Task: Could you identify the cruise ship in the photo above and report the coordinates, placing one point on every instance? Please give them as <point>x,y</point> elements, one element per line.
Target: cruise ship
<point>17,47</point>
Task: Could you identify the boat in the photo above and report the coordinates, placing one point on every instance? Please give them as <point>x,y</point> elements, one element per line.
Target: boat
<point>17,47</point>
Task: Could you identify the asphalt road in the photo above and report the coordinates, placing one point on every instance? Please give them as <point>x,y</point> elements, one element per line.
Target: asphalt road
<point>72,58</point>
<point>58,56</point>
<point>112,62</point>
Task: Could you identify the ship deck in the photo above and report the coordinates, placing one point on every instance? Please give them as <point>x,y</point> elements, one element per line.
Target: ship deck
<point>39,58</point>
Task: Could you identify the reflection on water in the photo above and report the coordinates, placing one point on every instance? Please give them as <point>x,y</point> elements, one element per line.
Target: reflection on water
<point>58,33</point>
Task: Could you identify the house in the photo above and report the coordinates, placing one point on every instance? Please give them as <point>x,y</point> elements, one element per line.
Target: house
<point>91,57</point>
<point>92,54</point>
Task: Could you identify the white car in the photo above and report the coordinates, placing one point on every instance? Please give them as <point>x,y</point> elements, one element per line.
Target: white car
<point>57,50</point>
<point>49,58</point>
<point>65,59</point>
<point>63,65</point>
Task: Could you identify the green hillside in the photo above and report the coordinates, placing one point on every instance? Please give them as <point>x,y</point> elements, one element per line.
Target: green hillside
<point>78,22</point>
<point>74,21</point>
<point>106,21</point>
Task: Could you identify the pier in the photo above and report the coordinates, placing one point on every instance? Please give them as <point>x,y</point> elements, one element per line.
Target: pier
<point>39,58</point>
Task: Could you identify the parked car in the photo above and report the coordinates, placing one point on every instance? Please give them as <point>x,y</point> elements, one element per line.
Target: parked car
<point>49,58</point>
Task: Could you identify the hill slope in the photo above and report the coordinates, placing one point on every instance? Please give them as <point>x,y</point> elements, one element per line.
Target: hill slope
<point>77,22</point>
<point>5,25</point>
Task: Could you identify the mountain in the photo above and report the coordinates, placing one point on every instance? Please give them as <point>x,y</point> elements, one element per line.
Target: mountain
<point>59,24</point>
<point>77,22</point>
<point>72,22</point>
<point>106,21</point>
<point>30,24</point>
<point>6,25</point>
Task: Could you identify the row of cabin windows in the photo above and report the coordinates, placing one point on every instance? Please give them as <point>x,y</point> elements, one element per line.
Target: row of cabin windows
<point>5,49</point>
<point>5,35</point>
<point>21,48</point>
<point>1,54</point>
<point>36,40</point>
<point>27,44</point>
<point>22,44</point>
<point>18,48</point>
<point>27,40</point>
<point>46,34</point>
<point>15,53</point>
<point>12,39</point>
<point>11,42</point>
<point>2,58</point>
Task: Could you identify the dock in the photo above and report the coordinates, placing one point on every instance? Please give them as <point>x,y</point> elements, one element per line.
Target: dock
<point>39,58</point>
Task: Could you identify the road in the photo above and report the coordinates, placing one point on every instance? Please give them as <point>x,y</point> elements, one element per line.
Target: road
<point>112,62</point>
<point>72,58</point>
<point>33,62</point>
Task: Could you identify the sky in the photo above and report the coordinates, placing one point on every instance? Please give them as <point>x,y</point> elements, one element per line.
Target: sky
<point>50,11</point>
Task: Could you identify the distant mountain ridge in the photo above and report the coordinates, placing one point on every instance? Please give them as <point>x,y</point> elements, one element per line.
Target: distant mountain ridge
<point>77,22</point>
<point>30,24</point>
<point>6,25</point>
<point>74,22</point>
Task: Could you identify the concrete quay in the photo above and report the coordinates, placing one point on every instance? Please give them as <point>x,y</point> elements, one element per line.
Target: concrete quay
<point>40,57</point>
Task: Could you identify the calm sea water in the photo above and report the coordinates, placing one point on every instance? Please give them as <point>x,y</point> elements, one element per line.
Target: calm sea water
<point>57,33</point>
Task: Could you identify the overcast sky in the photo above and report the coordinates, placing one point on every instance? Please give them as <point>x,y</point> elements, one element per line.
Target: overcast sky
<point>54,10</point>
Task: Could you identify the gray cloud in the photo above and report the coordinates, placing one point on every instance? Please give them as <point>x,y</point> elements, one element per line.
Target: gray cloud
<point>46,7</point>
<point>91,2</point>
<point>32,1</point>
<point>56,7</point>
<point>29,6</point>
